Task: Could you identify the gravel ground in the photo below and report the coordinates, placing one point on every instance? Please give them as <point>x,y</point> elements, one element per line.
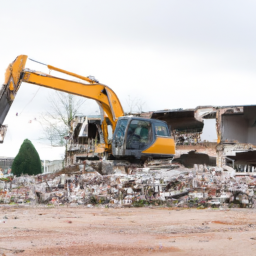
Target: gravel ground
<point>66,230</point>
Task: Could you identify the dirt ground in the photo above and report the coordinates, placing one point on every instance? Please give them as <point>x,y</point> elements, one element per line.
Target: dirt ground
<point>126,231</point>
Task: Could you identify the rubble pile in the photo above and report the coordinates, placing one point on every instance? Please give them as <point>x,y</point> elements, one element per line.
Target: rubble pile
<point>187,138</point>
<point>112,184</point>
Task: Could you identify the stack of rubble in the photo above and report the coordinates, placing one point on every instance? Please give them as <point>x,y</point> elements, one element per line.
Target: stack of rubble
<point>116,184</point>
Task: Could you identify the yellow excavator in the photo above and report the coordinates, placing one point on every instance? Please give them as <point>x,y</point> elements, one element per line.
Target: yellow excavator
<point>133,137</point>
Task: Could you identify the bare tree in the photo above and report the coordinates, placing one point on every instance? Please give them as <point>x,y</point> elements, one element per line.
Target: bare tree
<point>134,105</point>
<point>56,122</point>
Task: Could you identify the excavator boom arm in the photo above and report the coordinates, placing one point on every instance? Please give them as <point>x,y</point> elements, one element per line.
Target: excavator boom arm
<point>16,74</point>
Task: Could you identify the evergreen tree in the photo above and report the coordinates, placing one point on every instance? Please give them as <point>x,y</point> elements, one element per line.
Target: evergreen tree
<point>27,161</point>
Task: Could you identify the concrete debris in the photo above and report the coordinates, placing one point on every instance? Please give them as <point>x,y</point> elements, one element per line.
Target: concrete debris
<point>112,184</point>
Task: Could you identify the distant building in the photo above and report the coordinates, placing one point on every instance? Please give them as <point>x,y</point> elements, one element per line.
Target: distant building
<point>52,166</point>
<point>6,164</point>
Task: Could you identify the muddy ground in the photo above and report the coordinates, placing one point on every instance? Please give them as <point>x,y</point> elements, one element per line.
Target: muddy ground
<point>126,231</point>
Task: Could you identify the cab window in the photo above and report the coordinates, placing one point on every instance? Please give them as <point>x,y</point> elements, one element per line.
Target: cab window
<point>139,134</point>
<point>161,130</point>
<point>120,129</point>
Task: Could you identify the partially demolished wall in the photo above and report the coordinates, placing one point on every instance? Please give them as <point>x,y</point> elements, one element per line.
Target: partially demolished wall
<point>85,134</point>
<point>235,133</point>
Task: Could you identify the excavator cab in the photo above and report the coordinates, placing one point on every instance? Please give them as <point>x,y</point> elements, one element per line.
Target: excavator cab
<point>142,138</point>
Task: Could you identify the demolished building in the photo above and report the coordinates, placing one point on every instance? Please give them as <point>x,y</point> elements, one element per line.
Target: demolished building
<point>211,135</point>
<point>84,136</point>
<point>232,141</point>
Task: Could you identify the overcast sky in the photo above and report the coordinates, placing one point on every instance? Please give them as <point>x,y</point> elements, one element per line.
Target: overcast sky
<point>170,54</point>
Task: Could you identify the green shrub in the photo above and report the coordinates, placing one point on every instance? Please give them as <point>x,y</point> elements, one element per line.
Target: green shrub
<point>93,200</point>
<point>140,203</point>
<point>27,160</point>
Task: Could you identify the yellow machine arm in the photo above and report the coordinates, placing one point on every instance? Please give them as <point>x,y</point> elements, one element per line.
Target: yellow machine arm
<point>16,74</point>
